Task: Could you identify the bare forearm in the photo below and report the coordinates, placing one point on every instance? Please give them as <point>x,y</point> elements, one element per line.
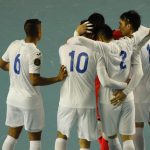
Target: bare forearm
<point>4,65</point>
<point>6,68</point>
<point>41,81</point>
<point>37,80</point>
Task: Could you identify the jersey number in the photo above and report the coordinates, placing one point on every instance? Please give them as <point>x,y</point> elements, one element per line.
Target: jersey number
<point>78,67</point>
<point>17,64</point>
<point>123,55</point>
<point>148,49</point>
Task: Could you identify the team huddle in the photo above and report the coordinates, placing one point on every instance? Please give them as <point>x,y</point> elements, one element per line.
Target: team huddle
<point>118,61</point>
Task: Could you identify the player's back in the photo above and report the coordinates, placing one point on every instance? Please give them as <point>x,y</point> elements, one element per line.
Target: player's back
<point>21,92</point>
<point>117,57</point>
<point>78,89</point>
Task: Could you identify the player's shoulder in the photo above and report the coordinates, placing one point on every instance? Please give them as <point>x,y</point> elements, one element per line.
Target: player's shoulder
<point>115,47</point>
<point>32,50</point>
<point>16,42</point>
<point>110,45</point>
<point>32,47</point>
<point>123,42</point>
<point>63,47</point>
<point>14,45</point>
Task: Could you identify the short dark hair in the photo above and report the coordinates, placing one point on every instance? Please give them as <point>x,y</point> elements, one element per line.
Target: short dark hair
<point>132,17</point>
<point>97,20</point>
<point>31,27</point>
<point>106,31</point>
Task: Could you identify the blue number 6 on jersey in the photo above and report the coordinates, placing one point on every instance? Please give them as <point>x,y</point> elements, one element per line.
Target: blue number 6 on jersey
<point>17,64</point>
<point>123,55</point>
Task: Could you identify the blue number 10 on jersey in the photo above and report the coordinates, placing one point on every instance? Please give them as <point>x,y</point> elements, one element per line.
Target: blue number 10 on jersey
<point>17,64</point>
<point>78,67</point>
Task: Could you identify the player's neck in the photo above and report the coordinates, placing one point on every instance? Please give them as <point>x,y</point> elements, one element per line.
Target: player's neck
<point>108,40</point>
<point>130,33</point>
<point>31,40</point>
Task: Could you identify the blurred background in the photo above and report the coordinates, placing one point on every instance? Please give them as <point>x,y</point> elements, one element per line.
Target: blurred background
<point>59,20</point>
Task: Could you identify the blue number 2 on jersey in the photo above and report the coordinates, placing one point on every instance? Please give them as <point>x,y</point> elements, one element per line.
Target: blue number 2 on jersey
<point>17,64</point>
<point>148,49</point>
<point>78,68</point>
<point>123,55</point>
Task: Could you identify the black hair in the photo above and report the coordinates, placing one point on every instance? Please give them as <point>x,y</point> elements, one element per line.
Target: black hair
<point>97,20</point>
<point>106,31</point>
<point>132,17</point>
<point>31,27</point>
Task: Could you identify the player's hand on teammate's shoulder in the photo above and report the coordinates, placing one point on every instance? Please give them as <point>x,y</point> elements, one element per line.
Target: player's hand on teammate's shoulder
<point>85,27</point>
<point>118,98</point>
<point>62,73</point>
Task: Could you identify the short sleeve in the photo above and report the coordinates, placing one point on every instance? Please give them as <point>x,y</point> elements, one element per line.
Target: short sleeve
<point>34,62</point>
<point>62,55</point>
<point>5,56</point>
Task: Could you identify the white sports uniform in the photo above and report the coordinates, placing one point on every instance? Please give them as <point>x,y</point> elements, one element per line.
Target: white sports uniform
<point>117,58</point>
<point>24,101</point>
<point>77,97</point>
<point>142,91</point>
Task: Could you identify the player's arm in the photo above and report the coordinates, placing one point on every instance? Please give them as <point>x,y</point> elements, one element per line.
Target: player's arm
<point>141,44</point>
<point>139,35</point>
<point>137,73</point>
<point>4,65</point>
<point>34,71</point>
<point>37,80</point>
<point>105,80</point>
<point>93,45</point>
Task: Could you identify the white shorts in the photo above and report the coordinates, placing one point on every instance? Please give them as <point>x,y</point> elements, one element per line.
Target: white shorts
<point>32,120</point>
<point>84,118</point>
<point>118,119</point>
<point>142,112</point>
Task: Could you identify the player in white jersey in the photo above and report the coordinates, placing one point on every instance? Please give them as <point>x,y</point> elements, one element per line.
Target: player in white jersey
<point>128,25</point>
<point>24,101</point>
<point>77,98</point>
<point>142,113</point>
<point>117,57</point>
<point>142,98</point>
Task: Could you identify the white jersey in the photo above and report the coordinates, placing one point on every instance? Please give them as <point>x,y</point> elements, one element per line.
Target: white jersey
<point>78,90</point>
<point>117,57</point>
<point>23,59</point>
<point>142,91</point>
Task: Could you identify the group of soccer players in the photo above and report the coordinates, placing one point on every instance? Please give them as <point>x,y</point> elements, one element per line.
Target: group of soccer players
<point>90,58</point>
